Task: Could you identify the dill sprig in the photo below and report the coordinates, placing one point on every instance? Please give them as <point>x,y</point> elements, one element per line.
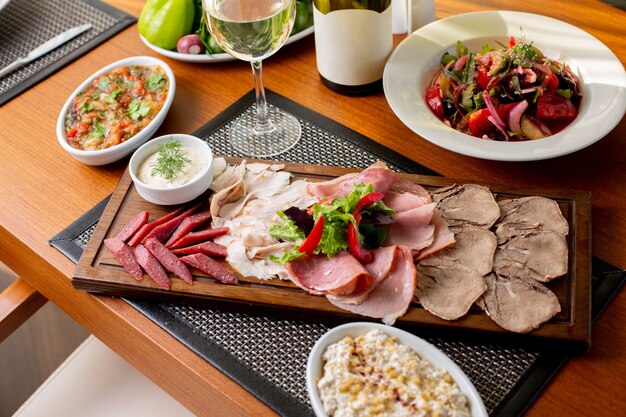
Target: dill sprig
<point>170,162</point>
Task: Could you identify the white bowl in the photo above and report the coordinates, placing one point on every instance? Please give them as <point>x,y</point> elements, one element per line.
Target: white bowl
<point>427,351</point>
<point>117,152</point>
<point>179,194</point>
<point>414,62</point>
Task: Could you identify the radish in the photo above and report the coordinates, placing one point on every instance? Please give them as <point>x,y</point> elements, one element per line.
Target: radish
<point>190,44</point>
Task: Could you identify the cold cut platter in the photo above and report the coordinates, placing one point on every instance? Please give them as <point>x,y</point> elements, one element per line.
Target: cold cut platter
<point>417,250</point>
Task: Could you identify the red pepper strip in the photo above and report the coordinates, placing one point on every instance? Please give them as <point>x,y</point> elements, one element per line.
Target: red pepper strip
<point>360,253</point>
<point>368,199</point>
<point>313,239</point>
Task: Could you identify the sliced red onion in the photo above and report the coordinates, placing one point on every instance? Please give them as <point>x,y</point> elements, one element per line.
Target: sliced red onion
<point>492,110</point>
<point>460,63</point>
<point>519,70</point>
<point>515,115</point>
<point>501,129</point>
<point>528,90</point>
<point>530,76</point>
<point>542,68</point>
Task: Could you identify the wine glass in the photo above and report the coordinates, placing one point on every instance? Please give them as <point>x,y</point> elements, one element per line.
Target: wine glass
<point>252,30</point>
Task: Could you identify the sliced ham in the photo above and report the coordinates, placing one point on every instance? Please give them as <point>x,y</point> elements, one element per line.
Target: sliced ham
<point>381,178</point>
<point>393,295</point>
<point>152,266</point>
<point>125,255</point>
<point>400,202</point>
<point>134,225</point>
<point>412,228</point>
<point>406,186</point>
<point>164,230</point>
<point>210,267</point>
<point>147,228</point>
<point>340,275</point>
<point>187,225</point>
<point>169,261</point>
<point>208,248</point>
<point>443,237</point>
<point>199,236</point>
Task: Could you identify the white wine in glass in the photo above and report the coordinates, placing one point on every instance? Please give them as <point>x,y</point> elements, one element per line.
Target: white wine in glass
<point>252,30</point>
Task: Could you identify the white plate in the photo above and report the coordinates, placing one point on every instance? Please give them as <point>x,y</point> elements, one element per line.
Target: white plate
<point>427,351</point>
<point>3,3</point>
<point>215,57</point>
<point>414,62</point>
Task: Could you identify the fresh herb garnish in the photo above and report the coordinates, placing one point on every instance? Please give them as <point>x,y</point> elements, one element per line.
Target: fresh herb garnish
<point>112,96</point>
<point>155,81</point>
<point>85,107</point>
<point>567,93</point>
<point>103,84</point>
<point>137,110</point>
<point>170,162</point>
<point>98,130</point>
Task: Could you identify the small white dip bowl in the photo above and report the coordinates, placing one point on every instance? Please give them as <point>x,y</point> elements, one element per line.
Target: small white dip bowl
<point>178,194</point>
<point>117,152</point>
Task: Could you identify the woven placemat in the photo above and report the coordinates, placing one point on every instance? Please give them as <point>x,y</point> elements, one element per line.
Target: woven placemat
<point>26,24</point>
<point>267,355</point>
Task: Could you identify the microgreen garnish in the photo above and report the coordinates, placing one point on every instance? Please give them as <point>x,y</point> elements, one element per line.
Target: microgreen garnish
<point>170,162</point>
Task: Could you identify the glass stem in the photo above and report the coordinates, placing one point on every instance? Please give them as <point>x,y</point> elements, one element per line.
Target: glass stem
<point>263,122</point>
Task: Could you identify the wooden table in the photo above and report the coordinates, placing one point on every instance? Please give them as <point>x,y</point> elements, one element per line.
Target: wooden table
<point>43,190</point>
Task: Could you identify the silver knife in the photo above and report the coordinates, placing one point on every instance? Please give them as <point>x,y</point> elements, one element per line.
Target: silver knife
<point>44,48</point>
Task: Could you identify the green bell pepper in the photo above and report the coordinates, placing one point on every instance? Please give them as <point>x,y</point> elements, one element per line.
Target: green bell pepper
<point>164,22</point>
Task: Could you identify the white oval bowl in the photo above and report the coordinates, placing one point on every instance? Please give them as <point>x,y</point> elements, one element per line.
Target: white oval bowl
<point>315,365</point>
<point>415,61</point>
<point>179,194</point>
<point>117,152</point>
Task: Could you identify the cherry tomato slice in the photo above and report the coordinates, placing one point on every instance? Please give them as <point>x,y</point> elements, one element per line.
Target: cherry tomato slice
<point>553,107</point>
<point>434,100</point>
<point>483,78</point>
<point>551,83</point>
<point>478,122</point>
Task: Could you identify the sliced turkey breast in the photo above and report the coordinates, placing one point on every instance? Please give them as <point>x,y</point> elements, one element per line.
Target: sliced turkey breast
<point>470,204</point>
<point>392,297</point>
<point>446,288</point>
<point>518,304</point>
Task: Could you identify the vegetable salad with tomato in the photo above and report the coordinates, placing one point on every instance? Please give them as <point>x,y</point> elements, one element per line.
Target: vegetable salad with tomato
<point>513,93</point>
<point>355,223</point>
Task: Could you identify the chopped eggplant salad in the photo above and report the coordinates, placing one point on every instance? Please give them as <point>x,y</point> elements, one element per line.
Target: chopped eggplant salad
<point>116,106</point>
<point>514,93</point>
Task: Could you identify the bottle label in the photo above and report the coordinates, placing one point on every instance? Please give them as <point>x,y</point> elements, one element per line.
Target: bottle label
<point>352,46</point>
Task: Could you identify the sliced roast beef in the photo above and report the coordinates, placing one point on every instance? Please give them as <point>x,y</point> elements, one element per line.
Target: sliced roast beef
<point>446,288</point>
<point>147,228</point>
<point>211,267</point>
<point>442,239</point>
<point>412,228</point>
<point>381,178</point>
<point>470,204</point>
<point>152,266</point>
<point>541,255</point>
<point>474,248</point>
<point>199,236</point>
<point>518,304</point>
<point>339,275</point>
<point>124,254</point>
<point>187,225</point>
<point>392,297</point>
<point>133,225</point>
<point>169,261</point>
<point>379,269</point>
<point>406,186</point>
<point>163,231</point>
<point>524,216</point>
<point>208,248</point>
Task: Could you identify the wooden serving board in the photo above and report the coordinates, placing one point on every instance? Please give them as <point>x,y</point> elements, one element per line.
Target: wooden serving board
<point>99,272</point>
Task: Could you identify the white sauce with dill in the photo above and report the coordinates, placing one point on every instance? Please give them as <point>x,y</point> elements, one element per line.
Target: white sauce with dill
<point>190,172</point>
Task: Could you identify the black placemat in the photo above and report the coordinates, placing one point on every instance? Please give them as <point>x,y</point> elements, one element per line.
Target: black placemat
<point>617,3</point>
<point>267,355</point>
<point>26,24</point>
